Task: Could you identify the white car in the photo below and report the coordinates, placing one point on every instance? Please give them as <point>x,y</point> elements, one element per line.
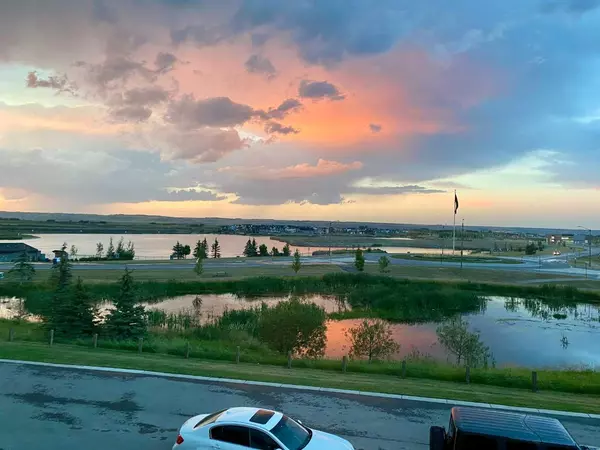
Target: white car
<point>255,428</point>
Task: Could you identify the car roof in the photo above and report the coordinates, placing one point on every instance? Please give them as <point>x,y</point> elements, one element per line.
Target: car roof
<point>512,425</point>
<point>258,417</point>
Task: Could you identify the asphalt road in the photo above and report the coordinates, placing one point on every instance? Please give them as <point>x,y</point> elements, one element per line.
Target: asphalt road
<point>63,409</point>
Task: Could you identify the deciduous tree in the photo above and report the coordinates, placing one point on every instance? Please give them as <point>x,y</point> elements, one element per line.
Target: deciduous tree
<point>294,326</point>
<point>466,346</point>
<point>372,339</point>
<point>383,262</point>
<point>199,267</point>
<point>263,250</point>
<point>99,250</point>
<point>359,260</point>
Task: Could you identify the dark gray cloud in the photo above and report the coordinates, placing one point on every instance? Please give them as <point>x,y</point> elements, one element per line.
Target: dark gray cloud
<point>277,128</point>
<point>374,127</point>
<point>59,83</point>
<point>317,90</point>
<point>165,62</point>
<point>188,112</point>
<point>286,107</point>
<point>114,72</point>
<point>261,65</point>
<point>191,194</point>
<point>135,105</point>
<point>151,95</point>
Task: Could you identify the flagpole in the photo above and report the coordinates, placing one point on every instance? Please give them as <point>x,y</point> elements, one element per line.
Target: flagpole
<point>454,227</point>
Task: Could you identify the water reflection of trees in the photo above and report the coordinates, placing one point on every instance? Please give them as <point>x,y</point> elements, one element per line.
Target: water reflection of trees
<point>545,310</point>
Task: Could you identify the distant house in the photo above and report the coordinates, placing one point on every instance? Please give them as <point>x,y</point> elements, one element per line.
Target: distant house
<point>11,251</point>
<point>556,239</point>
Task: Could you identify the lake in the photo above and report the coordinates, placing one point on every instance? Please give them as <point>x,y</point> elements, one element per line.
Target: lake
<point>160,246</point>
<point>518,332</point>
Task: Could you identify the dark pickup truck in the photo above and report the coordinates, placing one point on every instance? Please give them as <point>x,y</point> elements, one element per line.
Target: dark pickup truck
<point>483,429</point>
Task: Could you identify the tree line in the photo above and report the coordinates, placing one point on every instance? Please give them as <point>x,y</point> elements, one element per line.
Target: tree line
<point>251,250</point>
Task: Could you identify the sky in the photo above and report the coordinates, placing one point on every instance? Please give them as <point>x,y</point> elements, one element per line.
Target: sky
<point>368,110</point>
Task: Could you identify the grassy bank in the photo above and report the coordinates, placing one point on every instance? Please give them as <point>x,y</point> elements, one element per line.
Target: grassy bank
<point>14,236</point>
<point>573,391</point>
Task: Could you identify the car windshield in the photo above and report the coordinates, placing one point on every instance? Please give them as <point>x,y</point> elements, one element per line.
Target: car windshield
<point>293,435</point>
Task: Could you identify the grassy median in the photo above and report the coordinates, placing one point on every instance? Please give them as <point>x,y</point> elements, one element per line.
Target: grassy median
<point>69,354</point>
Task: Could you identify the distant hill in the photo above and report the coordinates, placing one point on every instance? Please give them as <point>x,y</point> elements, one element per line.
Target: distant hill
<point>219,221</point>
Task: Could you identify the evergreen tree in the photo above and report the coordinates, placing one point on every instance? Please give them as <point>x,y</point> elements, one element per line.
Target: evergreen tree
<point>216,249</point>
<point>296,264</point>
<point>82,312</point>
<point>205,247</point>
<point>254,248</point>
<point>286,250</point>
<point>57,316</point>
<point>128,319</point>
<point>110,251</point>
<point>248,249</point>
<point>200,252</point>
<point>120,248</point>
<point>23,270</point>
<point>178,250</point>
<point>275,251</point>
<point>263,250</point>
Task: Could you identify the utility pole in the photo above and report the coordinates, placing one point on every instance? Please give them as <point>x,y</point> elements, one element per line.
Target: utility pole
<point>589,239</point>
<point>462,242</point>
<point>442,236</point>
<point>329,233</point>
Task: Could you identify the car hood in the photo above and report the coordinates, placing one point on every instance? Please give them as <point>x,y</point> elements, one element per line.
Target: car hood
<point>321,440</point>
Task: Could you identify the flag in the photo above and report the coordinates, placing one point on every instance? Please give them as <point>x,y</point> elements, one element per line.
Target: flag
<point>455,203</point>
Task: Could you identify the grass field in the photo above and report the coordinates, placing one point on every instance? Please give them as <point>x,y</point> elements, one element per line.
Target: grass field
<point>467,259</point>
<point>212,273</point>
<point>69,354</point>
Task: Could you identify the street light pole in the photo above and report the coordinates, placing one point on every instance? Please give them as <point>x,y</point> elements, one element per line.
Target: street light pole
<point>329,233</point>
<point>589,237</point>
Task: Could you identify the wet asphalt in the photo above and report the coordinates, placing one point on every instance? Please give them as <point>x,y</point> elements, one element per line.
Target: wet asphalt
<point>62,409</point>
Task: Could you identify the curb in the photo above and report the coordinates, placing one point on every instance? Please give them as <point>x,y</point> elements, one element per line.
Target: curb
<point>303,388</point>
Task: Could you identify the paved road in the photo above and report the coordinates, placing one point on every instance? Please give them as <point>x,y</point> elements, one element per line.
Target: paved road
<point>63,409</point>
<point>547,264</point>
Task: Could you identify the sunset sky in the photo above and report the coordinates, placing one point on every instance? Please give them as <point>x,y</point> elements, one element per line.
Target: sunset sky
<point>371,110</point>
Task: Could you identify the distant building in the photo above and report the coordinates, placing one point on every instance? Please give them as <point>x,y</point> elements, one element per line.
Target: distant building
<point>11,251</point>
<point>557,239</point>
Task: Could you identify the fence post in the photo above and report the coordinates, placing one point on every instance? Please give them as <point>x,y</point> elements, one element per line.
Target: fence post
<point>237,355</point>
<point>11,335</point>
<point>344,364</point>
<point>468,375</point>
<point>51,337</point>
<point>187,350</point>
<point>403,368</point>
<point>289,363</point>
<point>534,386</point>
<point>140,345</point>
<point>95,340</point>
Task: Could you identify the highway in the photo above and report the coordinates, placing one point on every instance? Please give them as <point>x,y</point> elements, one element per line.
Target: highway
<point>70,409</point>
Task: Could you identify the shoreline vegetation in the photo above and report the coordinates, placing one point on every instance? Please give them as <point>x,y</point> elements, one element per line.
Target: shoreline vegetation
<point>10,236</point>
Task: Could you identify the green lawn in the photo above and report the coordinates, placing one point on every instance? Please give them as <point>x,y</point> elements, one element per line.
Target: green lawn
<point>467,259</point>
<point>67,354</point>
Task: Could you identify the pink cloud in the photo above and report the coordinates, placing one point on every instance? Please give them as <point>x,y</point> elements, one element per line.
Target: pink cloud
<point>322,168</point>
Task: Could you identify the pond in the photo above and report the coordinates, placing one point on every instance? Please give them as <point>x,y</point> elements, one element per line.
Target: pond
<point>518,332</point>
<point>160,246</point>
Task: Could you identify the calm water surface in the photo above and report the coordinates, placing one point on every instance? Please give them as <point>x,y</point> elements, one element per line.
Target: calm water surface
<point>518,332</point>
<point>160,246</point>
